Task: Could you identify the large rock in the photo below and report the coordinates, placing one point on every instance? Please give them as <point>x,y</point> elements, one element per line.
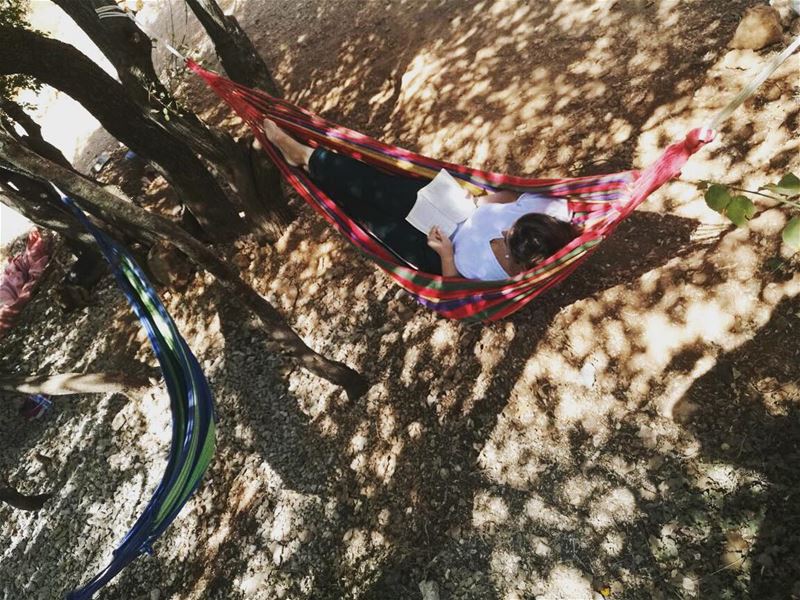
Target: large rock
<point>760,27</point>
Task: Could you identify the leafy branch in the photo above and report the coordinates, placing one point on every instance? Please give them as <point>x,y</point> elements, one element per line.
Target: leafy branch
<point>740,209</point>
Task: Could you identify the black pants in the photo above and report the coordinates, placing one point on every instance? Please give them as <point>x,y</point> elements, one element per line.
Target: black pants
<point>377,201</point>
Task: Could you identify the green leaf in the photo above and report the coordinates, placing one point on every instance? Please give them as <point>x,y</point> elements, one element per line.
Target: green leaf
<point>789,185</point>
<point>791,233</point>
<point>718,197</point>
<point>740,210</point>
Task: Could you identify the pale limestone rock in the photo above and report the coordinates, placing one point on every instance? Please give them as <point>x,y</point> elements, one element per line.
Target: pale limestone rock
<point>787,9</point>
<point>760,27</point>
<point>429,590</point>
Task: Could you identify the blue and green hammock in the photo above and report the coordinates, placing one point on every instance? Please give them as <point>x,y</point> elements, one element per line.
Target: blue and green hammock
<point>193,421</point>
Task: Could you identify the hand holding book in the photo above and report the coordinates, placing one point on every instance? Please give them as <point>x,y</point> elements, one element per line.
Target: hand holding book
<point>443,203</point>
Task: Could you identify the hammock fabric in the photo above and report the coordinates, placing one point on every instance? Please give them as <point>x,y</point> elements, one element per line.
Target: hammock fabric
<point>22,274</point>
<point>193,424</point>
<point>598,203</point>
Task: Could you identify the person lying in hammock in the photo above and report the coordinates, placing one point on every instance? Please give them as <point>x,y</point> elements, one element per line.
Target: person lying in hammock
<point>508,233</point>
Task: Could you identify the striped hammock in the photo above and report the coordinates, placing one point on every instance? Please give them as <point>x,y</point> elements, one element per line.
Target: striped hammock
<point>192,406</point>
<point>599,203</point>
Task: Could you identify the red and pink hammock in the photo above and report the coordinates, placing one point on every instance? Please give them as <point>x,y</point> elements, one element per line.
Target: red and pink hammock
<point>599,203</point>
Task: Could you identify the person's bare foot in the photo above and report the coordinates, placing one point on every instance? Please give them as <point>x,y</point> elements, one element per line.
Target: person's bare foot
<point>295,153</point>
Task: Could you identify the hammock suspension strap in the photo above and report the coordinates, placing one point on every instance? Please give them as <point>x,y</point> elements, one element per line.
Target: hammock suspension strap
<point>754,84</point>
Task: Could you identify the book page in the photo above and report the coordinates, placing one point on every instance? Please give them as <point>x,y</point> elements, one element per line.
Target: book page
<point>448,196</point>
<point>442,202</point>
<point>424,215</point>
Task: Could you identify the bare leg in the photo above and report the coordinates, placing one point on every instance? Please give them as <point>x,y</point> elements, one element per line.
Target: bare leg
<point>295,153</point>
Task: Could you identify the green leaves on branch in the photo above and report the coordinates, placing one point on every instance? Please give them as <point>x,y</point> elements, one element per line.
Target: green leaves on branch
<point>791,233</point>
<point>740,209</point>
<point>788,186</point>
<point>14,13</point>
<point>718,197</point>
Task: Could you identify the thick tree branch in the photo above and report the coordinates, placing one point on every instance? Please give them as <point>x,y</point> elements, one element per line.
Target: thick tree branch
<point>66,69</point>
<point>34,139</point>
<point>239,56</point>
<point>129,49</point>
<point>74,383</point>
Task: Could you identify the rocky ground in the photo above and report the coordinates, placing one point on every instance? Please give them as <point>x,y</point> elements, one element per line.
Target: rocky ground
<point>633,434</point>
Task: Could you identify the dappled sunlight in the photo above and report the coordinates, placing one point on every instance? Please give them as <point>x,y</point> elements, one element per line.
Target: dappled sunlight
<point>612,431</point>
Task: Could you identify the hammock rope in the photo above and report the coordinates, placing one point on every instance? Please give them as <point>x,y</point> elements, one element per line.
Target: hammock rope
<point>754,84</point>
<point>191,401</point>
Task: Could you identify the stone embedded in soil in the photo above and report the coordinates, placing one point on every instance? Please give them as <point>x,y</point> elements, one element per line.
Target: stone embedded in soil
<point>429,590</point>
<point>760,27</point>
<point>167,266</point>
<point>785,9</point>
<point>773,92</point>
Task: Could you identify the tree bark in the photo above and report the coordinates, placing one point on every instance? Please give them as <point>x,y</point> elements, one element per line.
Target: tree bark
<point>239,56</point>
<point>244,65</point>
<point>155,227</point>
<point>66,69</point>
<point>20,501</point>
<point>129,50</point>
<point>34,139</point>
<point>39,202</point>
<point>73,383</point>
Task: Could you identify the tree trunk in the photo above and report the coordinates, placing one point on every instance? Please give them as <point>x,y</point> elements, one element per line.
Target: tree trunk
<point>130,52</point>
<point>128,48</point>
<point>73,383</point>
<point>63,67</point>
<point>39,202</point>
<point>13,498</point>
<point>239,56</point>
<point>34,139</point>
<point>153,226</point>
<point>244,65</point>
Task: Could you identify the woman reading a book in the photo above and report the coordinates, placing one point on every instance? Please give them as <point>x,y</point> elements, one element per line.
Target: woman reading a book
<point>501,235</point>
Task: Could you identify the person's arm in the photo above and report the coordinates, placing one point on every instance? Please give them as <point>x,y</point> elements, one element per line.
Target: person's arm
<point>504,197</point>
<point>442,245</point>
<point>449,265</point>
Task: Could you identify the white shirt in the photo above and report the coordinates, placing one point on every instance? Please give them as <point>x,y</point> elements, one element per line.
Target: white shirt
<point>472,248</point>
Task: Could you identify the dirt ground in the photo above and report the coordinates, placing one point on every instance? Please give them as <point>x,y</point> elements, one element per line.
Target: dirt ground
<point>631,434</point>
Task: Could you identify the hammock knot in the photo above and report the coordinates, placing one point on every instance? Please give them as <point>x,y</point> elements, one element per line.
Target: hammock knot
<point>697,138</point>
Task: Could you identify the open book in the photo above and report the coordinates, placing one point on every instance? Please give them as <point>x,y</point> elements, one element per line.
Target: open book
<point>442,202</point>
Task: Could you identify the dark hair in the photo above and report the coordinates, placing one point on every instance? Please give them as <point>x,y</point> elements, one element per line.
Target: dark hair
<point>534,237</point>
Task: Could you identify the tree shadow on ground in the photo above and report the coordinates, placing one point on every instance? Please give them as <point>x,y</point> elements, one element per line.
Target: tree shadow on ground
<point>744,414</point>
<point>556,87</point>
<point>80,499</point>
<point>408,482</point>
